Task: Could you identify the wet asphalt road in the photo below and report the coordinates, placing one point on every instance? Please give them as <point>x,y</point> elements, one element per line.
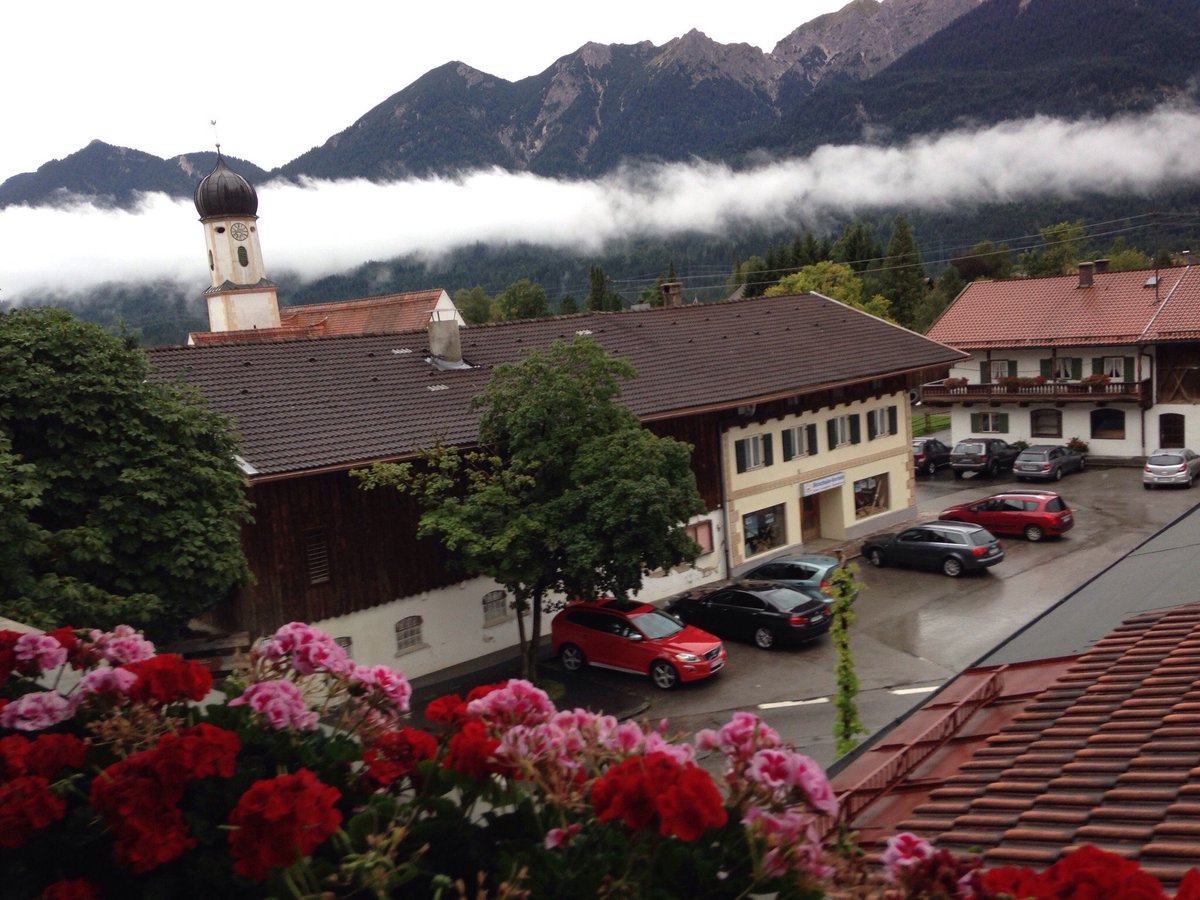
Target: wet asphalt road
<point>916,629</point>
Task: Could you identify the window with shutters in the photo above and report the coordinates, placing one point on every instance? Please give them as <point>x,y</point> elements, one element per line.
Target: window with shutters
<point>753,452</point>
<point>408,635</point>
<point>843,431</point>
<point>989,423</point>
<point>1066,368</point>
<point>1001,368</point>
<point>495,608</point>
<point>799,440</point>
<point>882,422</point>
<point>1114,367</point>
<point>316,555</point>
<point>763,530</point>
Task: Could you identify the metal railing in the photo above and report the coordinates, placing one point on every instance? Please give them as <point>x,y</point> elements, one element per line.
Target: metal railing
<point>1051,390</point>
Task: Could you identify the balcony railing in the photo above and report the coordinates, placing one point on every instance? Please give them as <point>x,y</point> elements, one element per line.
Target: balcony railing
<point>1052,391</point>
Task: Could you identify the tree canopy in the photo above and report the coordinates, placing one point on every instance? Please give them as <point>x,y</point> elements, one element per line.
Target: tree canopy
<point>121,500</point>
<point>566,494</point>
<point>836,281</point>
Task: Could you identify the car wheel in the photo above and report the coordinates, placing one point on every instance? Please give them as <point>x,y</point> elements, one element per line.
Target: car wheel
<point>958,474</point>
<point>992,469</point>
<point>1189,481</point>
<point>1082,464</point>
<point>663,674</point>
<point>1034,533</point>
<point>931,468</point>
<point>571,658</point>
<point>764,637</point>
<point>1058,474</point>
<point>875,557</point>
<point>952,566</point>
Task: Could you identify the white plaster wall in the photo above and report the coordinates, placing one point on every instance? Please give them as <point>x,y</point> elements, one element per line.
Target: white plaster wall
<point>243,310</point>
<point>223,251</point>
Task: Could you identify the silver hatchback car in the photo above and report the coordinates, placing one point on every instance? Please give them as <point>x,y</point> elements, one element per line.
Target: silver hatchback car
<point>1176,466</point>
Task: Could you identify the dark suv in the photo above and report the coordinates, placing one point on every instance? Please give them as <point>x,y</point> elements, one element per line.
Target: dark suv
<point>986,456</point>
<point>1031,513</point>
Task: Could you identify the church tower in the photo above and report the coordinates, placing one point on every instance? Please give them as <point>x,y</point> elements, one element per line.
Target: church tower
<point>240,297</point>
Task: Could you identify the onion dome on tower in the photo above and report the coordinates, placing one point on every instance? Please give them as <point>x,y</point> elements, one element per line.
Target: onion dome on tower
<point>223,192</point>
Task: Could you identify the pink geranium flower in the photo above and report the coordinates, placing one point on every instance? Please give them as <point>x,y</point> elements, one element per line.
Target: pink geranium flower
<point>41,650</point>
<point>36,711</point>
<point>280,702</point>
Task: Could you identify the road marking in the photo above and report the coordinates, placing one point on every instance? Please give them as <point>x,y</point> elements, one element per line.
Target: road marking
<point>920,690</point>
<point>780,704</point>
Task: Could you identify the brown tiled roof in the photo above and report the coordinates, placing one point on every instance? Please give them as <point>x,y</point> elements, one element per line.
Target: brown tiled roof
<point>1118,308</point>
<point>1097,749</point>
<point>311,404</point>
<point>385,314</point>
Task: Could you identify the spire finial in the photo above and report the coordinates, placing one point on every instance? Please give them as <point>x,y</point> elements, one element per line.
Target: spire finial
<point>216,137</point>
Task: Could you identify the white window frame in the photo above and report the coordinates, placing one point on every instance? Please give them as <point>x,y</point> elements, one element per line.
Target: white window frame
<point>842,425</point>
<point>409,634</point>
<point>879,417</point>
<point>754,452</point>
<point>495,608</point>
<point>990,422</point>
<point>1114,367</point>
<point>997,369</point>
<point>800,446</point>
<point>1063,368</point>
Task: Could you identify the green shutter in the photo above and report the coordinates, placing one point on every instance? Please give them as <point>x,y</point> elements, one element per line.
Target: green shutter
<point>1002,421</point>
<point>788,449</point>
<point>1129,376</point>
<point>768,456</point>
<point>893,425</point>
<point>1077,367</point>
<point>855,430</point>
<point>739,451</point>
<point>975,425</point>
<point>811,444</point>
<point>1012,367</point>
<point>984,372</point>
<point>1046,369</point>
<point>831,428</point>
<point>1097,365</point>
<point>871,432</point>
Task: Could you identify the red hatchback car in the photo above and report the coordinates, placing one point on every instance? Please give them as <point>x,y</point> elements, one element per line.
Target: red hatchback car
<point>1032,514</point>
<point>634,637</point>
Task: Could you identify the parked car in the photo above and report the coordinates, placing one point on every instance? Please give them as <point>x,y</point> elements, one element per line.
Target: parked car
<point>949,547</point>
<point>929,455</point>
<point>1031,513</point>
<point>795,570</point>
<point>1170,466</point>
<point>1048,462</point>
<point>986,456</point>
<point>765,612</point>
<point>634,637</point>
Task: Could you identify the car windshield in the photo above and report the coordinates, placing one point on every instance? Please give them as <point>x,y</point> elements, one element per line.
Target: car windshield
<point>968,448</point>
<point>1166,459</point>
<point>657,624</point>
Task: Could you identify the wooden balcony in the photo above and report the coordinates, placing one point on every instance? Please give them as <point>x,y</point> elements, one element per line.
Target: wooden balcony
<point>1138,392</point>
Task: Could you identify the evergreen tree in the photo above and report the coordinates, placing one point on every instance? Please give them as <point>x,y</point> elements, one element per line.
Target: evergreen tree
<point>904,274</point>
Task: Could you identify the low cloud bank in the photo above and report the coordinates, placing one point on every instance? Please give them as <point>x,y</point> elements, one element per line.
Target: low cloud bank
<point>322,227</point>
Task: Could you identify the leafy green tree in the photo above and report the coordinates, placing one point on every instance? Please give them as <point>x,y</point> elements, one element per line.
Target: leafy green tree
<point>948,286</point>
<point>984,260</point>
<point>568,304</point>
<point>122,497</point>
<point>1123,258</point>
<point>474,304</point>
<point>904,274</point>
<point>755,276</point>
<point>523,299</point>
<point>1062,245</point>
<point>836,281</point>
<point>844,588</point>
<point>566,494</point>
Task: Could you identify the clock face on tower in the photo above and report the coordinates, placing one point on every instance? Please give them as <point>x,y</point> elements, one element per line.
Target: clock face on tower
<point>238,231</point>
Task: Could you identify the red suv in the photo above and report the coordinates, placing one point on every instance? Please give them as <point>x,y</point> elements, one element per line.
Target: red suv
<point>1033,514</point>
<point>634,637</point>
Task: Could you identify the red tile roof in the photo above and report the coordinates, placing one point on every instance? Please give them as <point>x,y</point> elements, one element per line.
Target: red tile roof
<point>304,405</point>
<point>1118,308</point>
<point>1044,757</point>
<point>385,314</point>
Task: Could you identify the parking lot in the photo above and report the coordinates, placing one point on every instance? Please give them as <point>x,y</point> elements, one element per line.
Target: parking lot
<point>916,629</point>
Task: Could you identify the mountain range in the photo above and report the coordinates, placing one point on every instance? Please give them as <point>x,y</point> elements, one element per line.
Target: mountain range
<point>881,71</point>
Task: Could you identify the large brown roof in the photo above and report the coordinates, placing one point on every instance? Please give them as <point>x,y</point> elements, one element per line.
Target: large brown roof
<point>1031,760</point>
<point>1117,308</point>
<point>304,405</point>
<point>387,313</point>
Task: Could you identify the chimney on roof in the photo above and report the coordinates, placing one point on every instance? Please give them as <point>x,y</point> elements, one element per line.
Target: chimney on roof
<point>1085,274</point>
<point>1101,266</point>
<point>671,293</point>
<point>445,345</point>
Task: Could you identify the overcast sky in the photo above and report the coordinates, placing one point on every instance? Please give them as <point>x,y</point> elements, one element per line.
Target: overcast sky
<point>281,78</point>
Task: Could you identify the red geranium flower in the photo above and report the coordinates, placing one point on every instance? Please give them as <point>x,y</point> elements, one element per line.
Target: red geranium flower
<point>8,653</point>
<point>27,805</point>
<point>395,754</point>
<point>168,678</point>
<point>278,820</point>
<point>72,889</point>
<point>449,709</point>
<point>43,755</point>
<point>472,751</point>
<point>640,789</point>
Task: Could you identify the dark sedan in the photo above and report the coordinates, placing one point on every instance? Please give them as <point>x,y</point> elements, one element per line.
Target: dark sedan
<point>929,455</point>
<point>764,612</point>
<point>951,547</point>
